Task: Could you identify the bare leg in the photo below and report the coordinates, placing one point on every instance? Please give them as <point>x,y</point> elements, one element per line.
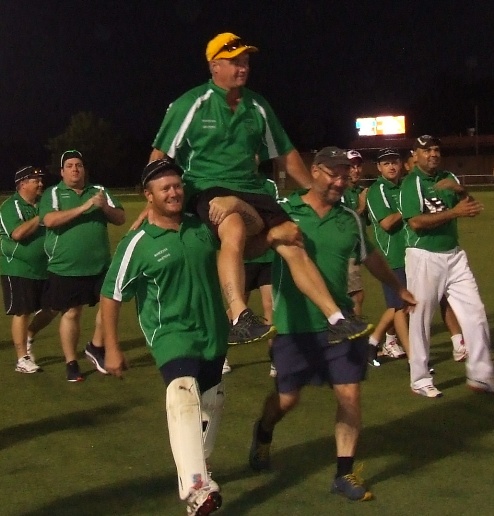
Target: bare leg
<point>19,333</point>
<point>449,317</point>
<point>230,262</point>
<point>308,278</point>
<point>348,419</point>
<point>358,301</point>
<point>401,326</point>
<point>276,407</point>
<point>70,329</point>
<point>384,324</point>
<point>97,339</point>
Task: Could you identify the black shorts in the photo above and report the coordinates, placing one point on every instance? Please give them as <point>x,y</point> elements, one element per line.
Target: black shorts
<point>64,292</point>
<point>393,300</point>
<point>307,359</point>
<point>257,275</point>
<point>266,206</point>
<point>22,296</point>
<point>208,373</point>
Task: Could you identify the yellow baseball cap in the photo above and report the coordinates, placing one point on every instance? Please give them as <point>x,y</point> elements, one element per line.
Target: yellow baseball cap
<point>227,46</point>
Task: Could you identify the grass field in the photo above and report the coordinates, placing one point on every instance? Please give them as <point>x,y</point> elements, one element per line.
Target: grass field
<point>101,447</point>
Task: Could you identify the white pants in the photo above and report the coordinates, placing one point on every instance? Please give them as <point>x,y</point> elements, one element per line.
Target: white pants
<point>429,277</point>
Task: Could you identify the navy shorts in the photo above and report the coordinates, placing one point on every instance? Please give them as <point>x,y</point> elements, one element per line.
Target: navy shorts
<point>64,292</point>
<point>266,206</point>
<point>257,275</point>
<point>393,300</point>
<point>307,359</point>
<point>22,296</point>
<point>208,373</point>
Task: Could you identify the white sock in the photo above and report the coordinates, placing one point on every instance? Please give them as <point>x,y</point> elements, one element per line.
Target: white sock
<point>333,319</point>
<point>373,341</point>
<point>390,338</point>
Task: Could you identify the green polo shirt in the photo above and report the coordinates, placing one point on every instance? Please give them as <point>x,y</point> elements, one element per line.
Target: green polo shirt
<point>172,274</point>
<point>217,146</point>
<point>418,196</point>
<point>24,258</point>
<point>81,247</point>
<point>329,241</point>
<point>383,199</point>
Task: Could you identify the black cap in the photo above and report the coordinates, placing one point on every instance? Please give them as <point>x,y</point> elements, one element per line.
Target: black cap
<point>69,154</point>
<point>152,169</point>
<point>387,153</point>
<point>425,141</point>
<point>331,157</point>
<point>27,173</point>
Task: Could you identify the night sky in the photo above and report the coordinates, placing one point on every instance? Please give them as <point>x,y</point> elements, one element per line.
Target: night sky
<point>321,63</point>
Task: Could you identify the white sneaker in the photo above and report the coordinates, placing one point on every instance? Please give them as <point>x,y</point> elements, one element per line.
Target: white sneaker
<point>26,365</point>
<point>429,391</point>
<point>272,371</point>
<point>481,386</point>
<point>203,501</point>
<point>393,349</point>
<point>460,354</point>
<point>226,367</point>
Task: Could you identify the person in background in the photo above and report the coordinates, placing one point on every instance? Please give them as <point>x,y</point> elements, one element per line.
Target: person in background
<point>23,265</point>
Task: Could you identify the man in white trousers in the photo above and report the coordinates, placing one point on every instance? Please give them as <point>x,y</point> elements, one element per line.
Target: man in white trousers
<point>431,200</point>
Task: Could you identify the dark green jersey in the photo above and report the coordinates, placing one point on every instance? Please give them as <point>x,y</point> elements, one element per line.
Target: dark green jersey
<point>216,146</point>
<point>173,277</point>
<point>81,247</point>
<point>383,199</point>
<point>329,241</point>
<point>418,196</point>
<point>24,258</point>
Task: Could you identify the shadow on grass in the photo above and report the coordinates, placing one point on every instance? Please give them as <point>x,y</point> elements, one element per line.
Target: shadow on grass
<point>439,430</point>
<point>75,420</point>
<point>131,497</point>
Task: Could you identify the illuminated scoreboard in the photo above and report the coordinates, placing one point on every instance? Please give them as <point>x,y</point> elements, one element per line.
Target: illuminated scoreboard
<point>380,125</point>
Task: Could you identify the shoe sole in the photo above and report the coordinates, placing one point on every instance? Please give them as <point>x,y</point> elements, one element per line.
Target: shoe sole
<point>268,335</point>
<point>363,333</point>
<point>425,396</point>
<point>92,359</point>
<point>212,503</point>
<point>366,498</point>
<point>25,371</point>
<point>480,390</point>
<point>75,380</point>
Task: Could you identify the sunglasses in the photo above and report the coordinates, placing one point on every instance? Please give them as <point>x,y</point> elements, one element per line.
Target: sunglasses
<point>230,47</point>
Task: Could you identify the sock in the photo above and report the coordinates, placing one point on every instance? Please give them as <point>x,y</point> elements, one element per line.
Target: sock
<point>30,340</point>
<point>263,436</point>
<point>333,319</point>
<point>344,466</point>
<point>457,340</point>
<point>390,338</point>
<point>373,341</point>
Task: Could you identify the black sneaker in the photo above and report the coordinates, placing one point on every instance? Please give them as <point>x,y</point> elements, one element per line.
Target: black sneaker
<point>96,355</point>
<point>350,328</point>
<point>73,372</point>
<point>250,328</point>
<point>372,356</point>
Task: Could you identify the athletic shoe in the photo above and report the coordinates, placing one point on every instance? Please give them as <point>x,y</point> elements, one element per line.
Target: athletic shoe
<point>350,328</point>
<point>27,365</point>
<point>429,391</point>
<point>460,354</point>
<point>486,386</point>
<point>432,370</point>
<point>96,355</point>
<point>29,346</point>
<point>372,356</point>
<point>259,457</point>
<point>250,328</point>
<point>211,483</point>
<point>393,350</point>
<point>352,486</point>
<point>272,371</point>
<point>73,372</point>
<point>226,367</point>
<point>203,501</point>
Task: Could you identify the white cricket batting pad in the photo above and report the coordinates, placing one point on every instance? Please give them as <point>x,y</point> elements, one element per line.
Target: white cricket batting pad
<point>183,413</point>
<point>212,402</point>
